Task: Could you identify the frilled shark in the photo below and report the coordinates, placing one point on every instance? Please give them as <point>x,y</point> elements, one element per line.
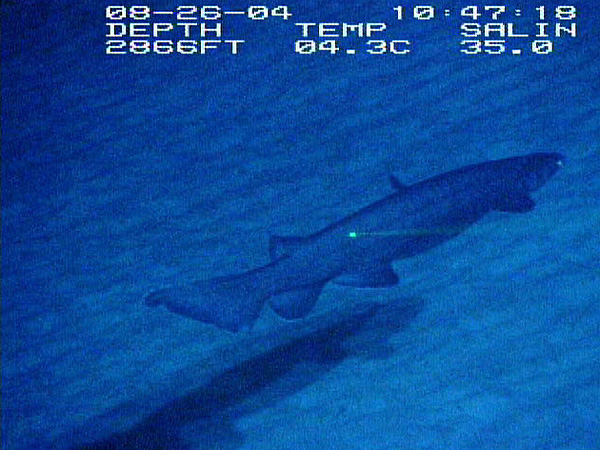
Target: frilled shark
<point>359,249</point>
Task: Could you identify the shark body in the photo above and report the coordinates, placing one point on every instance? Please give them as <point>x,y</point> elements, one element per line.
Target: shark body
<point>359,249</point>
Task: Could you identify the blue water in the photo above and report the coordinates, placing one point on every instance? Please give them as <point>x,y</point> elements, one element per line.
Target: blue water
<point>126,173</point>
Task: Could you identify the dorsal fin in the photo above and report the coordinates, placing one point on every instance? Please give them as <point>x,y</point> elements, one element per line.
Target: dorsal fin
<point>397,184</point>
<point>284,245</point>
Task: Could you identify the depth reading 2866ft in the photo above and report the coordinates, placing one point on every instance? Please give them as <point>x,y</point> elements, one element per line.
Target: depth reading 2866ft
<point>204,30</point>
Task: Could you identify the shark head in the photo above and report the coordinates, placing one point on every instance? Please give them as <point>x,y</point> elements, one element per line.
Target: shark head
<point>506,184</point>
<point>536,169</point>
<point>523,174</point>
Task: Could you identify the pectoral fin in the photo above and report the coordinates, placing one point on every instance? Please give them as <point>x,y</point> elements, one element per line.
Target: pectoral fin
<point>375,276</point>
<point>232,303</point>
<point>515,204</point>
<point>296,304</point>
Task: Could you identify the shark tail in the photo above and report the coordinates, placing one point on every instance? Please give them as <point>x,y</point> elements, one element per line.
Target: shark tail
<point>232,303</point>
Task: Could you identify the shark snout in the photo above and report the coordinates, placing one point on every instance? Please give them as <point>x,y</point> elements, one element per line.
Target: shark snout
<point>541,167</point>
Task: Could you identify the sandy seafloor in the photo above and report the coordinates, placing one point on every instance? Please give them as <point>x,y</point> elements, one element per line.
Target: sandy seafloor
<point>123,174</point>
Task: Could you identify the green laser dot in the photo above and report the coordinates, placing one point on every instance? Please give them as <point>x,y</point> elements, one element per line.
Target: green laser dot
<point>352,234</point>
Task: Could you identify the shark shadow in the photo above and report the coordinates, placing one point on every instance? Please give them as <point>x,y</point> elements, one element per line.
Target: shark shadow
<point>208,412</point>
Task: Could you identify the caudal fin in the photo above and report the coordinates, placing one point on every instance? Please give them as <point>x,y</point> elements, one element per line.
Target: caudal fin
<point>229,302</point>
